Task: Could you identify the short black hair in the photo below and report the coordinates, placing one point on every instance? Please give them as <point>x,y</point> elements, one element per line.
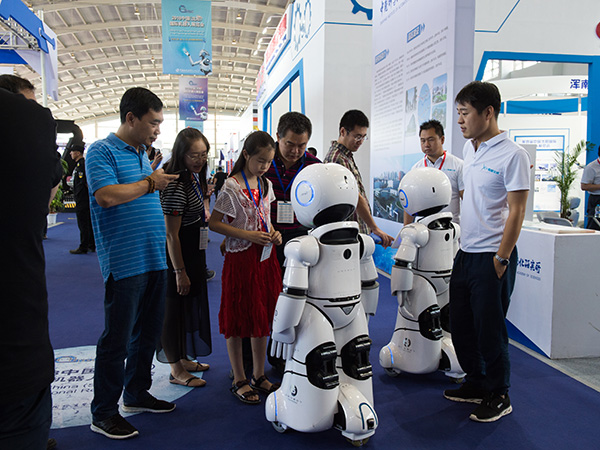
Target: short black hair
<point>15,84</point>
<point>139,101</point>
<point>354,118</point>
<point>480,95</point>
<point>295,122</point>
<point>435,124</point>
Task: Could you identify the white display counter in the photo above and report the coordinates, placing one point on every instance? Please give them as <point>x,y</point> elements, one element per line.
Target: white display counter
<point>556,301</point>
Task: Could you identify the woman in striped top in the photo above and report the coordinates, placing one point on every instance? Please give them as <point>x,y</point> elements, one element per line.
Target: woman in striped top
<point>186,328</point>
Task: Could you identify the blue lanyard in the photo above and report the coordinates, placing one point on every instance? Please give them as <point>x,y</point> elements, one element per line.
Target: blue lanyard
<point>197,190</point>
<point>254,201</point>
<point>292,180</point>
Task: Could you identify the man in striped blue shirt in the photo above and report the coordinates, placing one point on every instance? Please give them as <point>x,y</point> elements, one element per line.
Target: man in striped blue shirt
<point>130,240</point>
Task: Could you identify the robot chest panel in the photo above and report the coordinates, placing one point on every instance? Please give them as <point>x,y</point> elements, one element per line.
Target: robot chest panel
<point>438,254</point>
<point>337,274</point>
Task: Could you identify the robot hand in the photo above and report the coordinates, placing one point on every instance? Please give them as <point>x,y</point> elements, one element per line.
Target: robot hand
<point>186,52</point>
<point>283,343</point>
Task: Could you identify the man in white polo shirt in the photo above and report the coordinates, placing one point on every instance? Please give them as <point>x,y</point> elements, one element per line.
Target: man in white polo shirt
<point>431,134</point>
<point>590,181</point>
<point>496,179</point>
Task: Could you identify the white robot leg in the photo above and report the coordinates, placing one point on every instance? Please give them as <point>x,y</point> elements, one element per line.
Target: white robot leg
<point>356,417</point>
<point>449,363</point>
<point>415,346</point>
<point>307,398</point>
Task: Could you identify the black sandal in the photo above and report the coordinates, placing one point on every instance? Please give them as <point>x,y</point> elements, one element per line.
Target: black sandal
<point>245,397</point>
<point>257,384</point>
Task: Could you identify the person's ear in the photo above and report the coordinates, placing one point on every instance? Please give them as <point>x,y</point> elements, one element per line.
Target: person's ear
<point>129,118</point>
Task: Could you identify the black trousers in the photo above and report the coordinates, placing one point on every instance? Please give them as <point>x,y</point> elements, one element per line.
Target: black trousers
<point>479,302</point>
<point>593,200</point>
<point>86,233</point>
<point>25,423</point>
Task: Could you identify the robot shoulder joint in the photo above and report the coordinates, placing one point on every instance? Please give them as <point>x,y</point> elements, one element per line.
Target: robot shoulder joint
<point>304,249</point>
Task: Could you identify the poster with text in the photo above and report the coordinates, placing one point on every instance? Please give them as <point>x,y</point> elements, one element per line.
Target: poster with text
<point>193,98</point>
<point>187,37</point>
<point>413,48</point>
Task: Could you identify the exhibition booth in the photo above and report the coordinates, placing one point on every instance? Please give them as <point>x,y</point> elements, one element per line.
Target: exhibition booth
<point>404,67</point>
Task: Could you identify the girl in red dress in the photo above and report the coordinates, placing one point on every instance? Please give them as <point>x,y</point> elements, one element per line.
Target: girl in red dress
<point>251,280</point>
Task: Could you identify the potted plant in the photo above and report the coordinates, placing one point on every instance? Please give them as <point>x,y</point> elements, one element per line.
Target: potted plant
<point>56,205</point>
<point>567,167</point>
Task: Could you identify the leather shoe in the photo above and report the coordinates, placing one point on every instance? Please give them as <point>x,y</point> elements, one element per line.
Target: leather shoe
<point>78,251</point>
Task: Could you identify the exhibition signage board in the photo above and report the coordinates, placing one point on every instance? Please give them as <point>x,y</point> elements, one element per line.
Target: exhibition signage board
<point>43,46</point>
<point>413,81</point>
<point>187,37</point>
<point>193,98</point>
<point>279,41</point>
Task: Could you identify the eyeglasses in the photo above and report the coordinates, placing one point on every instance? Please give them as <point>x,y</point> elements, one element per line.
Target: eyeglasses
<point>197,157</point>
<point>359,137</point>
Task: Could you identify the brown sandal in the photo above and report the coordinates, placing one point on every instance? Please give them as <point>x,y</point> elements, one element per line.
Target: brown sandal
<point>257,384</point>
<point>197,367</point>
<point>245,397</point>
<point>187,382</point>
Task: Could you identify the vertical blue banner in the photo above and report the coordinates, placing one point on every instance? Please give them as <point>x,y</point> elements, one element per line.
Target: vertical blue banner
<point>193,99</point>
<point>187,37</point>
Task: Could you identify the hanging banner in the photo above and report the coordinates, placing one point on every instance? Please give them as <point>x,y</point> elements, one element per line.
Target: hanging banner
<point>187,37</point>
<point>193,98</point>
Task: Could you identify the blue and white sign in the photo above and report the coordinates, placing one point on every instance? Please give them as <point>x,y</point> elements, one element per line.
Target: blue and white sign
<point>187,37</point>
<point>73,386</point>
<point>193,98</point>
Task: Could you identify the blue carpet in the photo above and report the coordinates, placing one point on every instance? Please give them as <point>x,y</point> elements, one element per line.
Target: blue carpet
<point>551,410</point>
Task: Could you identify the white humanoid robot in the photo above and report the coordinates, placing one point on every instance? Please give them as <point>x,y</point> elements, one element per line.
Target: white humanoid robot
<point>204,62</point>
<point>421,342</point>
<point>320,325</point>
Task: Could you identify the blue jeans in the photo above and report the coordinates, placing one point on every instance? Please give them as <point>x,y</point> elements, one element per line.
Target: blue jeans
<point>479,302</point>
<point>133,318</point>
<point>25,423</point>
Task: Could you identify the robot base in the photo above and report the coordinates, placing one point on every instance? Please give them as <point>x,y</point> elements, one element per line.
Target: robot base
<point>356,418</point>
<point>390,359</point>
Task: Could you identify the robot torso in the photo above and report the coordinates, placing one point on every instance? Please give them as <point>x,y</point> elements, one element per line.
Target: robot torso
<point>334,281</point>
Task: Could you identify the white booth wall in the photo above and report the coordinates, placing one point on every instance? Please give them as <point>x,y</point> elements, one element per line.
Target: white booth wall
<point>333,66</point>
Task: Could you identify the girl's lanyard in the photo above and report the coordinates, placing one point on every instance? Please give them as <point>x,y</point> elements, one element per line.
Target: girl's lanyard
<point>203,228</point>
<point>267,248</point>
<point>441,165</point>
<point>285,212</point>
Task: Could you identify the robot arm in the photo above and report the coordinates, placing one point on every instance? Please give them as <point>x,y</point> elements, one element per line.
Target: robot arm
<point>412,237</point>
<point>300,254</point>
<point>368,275</point>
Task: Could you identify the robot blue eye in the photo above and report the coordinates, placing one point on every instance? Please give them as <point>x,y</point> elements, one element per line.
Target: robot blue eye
<point>305,193</point>
<point>402,198</point>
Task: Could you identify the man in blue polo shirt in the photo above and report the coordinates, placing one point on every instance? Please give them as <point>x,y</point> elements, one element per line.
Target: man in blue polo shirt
<point>130,240</point>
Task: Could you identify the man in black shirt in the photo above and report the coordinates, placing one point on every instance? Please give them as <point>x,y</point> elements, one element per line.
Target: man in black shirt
<point>219,179</point>
<point>28,143</point>
<point>82,202</point>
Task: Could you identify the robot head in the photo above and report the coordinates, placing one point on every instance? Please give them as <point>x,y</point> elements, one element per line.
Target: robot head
<point>324,193</point>
<point>424,191</point>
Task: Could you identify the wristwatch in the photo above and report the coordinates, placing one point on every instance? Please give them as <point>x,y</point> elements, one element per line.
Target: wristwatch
<point>501,260</point>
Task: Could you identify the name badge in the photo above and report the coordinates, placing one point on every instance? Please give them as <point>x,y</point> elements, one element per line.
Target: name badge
<point>203,238</point>
<point>285,212</point>
<point>266,252</point>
